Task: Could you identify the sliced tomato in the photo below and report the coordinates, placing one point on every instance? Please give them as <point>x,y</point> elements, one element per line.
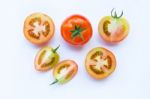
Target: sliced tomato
<point>76,30</point>
<point>38,28</point>
<point>100,63</point>
<point>46,59</point>
<point>113,29</point>
<point>64,71</point>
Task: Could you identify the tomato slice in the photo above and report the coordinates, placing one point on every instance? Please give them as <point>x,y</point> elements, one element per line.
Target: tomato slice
<point>46,59</point>
<point>76,30</point>
<point>113,29</point>
<point>64,71</point>
<point>100,63</point>
<point>38,28</point>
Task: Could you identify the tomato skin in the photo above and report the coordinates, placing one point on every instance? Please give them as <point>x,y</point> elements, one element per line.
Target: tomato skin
<point>112,29</point>
<point>46,59</point>
<point>106,63</point>
<point>68,30</point>
<point>64,71</point>
<point>41,36</point>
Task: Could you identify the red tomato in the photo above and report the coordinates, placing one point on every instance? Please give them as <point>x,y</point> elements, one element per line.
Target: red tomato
<point>76,30</point>
<point>38,28</point>
<point>100,63</point>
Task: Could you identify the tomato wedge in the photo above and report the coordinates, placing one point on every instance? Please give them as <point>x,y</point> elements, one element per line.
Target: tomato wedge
<point>64,71</point>
<point>46,59</point>
<point>76,30</point>
<point>114,28</point>
<point>38,28</point>
<point>100,63</point>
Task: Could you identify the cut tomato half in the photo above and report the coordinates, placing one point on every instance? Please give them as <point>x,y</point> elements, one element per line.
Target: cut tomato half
<point>64,71</point>
<point>113,29</point>
<point>46,59</point>
<point>38,28</point>
<point>100,63</point>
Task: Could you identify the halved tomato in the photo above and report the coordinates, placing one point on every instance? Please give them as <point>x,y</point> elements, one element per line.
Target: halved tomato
<point>46,59</point>
<point>38,28</point>
<point>64,71</point>
<point>100,63</point>
<point>113,29</point>
<point>76,30</point>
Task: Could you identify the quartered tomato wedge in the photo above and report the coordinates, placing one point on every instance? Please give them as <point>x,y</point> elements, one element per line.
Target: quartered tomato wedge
<point>76,30</point>
<point>100,63</point>
<point>64,71</point>
<point>38,28</point>
<point>114,28</point>
<point>46,59</point>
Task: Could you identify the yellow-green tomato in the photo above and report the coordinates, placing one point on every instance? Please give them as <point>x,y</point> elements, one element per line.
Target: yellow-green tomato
<point>113,29</point>
<point>46,59</point>
<point>64,71</point>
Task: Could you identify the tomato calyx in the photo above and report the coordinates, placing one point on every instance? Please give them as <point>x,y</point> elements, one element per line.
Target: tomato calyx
<point>77,31</point>
<point>115,16</point>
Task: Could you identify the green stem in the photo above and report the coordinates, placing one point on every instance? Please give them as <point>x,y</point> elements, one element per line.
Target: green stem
<point>55,81</point>
<point>54,51</point>
<point>77,31</point>
<point>115,14</point>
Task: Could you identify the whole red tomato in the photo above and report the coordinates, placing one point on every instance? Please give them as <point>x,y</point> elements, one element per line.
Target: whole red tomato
<point>76,30</point>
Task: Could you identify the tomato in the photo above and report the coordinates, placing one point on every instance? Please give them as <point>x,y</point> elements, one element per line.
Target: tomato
<point>46,59</point>
<point>113,29</point>
<point>64,71</point>
<point>76,30</point>
<point>38,28</point>
<point>100,63</point>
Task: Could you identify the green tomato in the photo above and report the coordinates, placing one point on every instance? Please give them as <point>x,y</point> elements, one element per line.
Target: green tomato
<point>46,59</point>
<point>64,71</point>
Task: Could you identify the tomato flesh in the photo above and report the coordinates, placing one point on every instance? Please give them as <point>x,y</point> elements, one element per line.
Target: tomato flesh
<point>65,71</point>
<point>46,59</point>
<point>38,28</point>
<point>113,30</point>
<point>100,63</point>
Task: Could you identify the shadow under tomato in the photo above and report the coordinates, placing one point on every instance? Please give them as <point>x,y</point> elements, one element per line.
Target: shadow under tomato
<point>73,47</point>
<point>99,80</point>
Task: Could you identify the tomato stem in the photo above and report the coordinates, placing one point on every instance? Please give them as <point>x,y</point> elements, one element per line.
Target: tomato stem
<point>115,14</point>
<point>56,49</point>
<point>55,81</point>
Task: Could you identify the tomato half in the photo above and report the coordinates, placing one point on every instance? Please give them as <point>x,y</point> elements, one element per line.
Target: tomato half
<point>46,59</point>
<point>113,29</point>
<point>38,28</point>
<point>100,63</point>
<point>64,71</point>
<point>76,30</point>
